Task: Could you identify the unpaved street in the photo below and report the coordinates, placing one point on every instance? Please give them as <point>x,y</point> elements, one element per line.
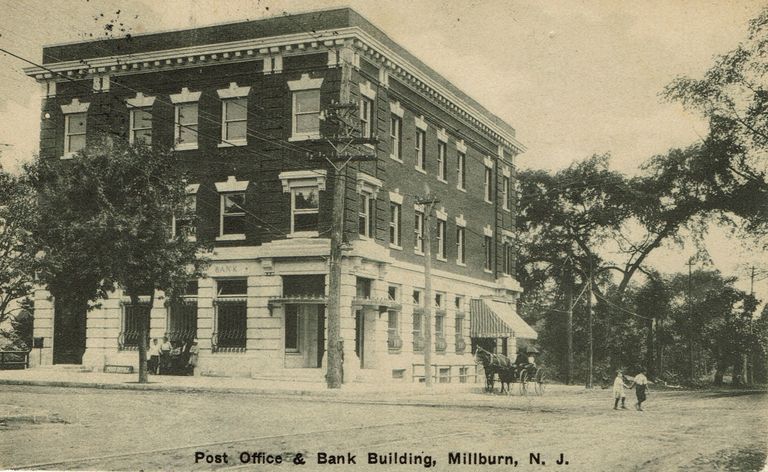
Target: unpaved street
<point>125,430</point>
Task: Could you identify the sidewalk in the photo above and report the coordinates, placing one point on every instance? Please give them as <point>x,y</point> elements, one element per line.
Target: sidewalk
<point>455,395</point>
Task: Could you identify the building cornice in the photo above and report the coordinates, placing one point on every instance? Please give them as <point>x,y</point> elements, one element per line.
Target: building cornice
<point>283,45</point>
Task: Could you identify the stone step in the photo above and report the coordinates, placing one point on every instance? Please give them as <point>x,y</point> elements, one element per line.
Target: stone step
<point>291,375</point>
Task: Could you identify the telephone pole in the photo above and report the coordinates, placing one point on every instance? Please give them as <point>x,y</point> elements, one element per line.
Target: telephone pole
<point>342,116</point>
<point>691,366</point>
<point>429,204</point>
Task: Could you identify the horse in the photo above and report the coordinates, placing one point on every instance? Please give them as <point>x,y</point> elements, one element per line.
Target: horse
<point>495,364</point>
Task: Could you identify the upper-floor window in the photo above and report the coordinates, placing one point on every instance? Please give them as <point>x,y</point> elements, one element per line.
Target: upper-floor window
<point>232,208</point>
<point>488,187</point>
<point>488,266</point>
<point>185,126</point>
<point>141,126</point>
<point>394,224</point>
<point>305,209</point>
<point>461,171</point>
<point>183,224</point>
<point>396,137</point>
<point>421,137</point>
<point>232,214</point>
<point>460,246</point>
<point>306,113</point>
<point>418,230</point>
<point>366,117</point>
<point>365,214</point>
<point>505,192</point>
<point>234,120</point>
<point>74,132</point>
<point>507,258</point>
<point>442,163</point>
<point>441,240</point>
<point>185,122</point>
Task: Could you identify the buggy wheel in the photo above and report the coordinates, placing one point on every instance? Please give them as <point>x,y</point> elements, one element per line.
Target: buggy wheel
<point>541,381</point>
<point>523,382</point>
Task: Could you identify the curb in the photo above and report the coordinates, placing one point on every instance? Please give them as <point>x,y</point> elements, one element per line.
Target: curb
<point>329,396</point>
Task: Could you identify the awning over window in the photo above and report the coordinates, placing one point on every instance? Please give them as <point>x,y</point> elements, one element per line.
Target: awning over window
<point>492,319</point>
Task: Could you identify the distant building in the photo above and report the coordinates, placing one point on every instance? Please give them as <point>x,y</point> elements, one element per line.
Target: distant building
<point>242,102</point>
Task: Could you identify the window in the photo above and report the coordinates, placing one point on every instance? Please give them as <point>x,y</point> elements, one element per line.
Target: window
<point>292,328</point>
<point>234,121</point>
<point>418,333</point>
<point>306,113</point>
<point>418,230</point>
<point>439,300</point>
<point>460,247</point>
<point>461,171</point>
<point>394,224</point>
<point>440,325</point>
<point>141,126</point>
<point>366,117</point>
<point>505,192</point>
<point>232,214</point>
<point>458,303</point>
<point>365,215</point>
<point>442,164</point>
<point>74,136</point>
<point>182,316</point>
<point>185,126</point>
<point>133,317</point>
<point>488,183</point>
<point>420,150</point>
<point>508,262</point>
<point>230,323</point>
<point>396,137</point>
<point>363,287</point>
<point>488,253</point>
<point>394,342</point>
<point>441,239</point>
<point>416,298</point>
<point>305,208</point>
<point>183,225</point>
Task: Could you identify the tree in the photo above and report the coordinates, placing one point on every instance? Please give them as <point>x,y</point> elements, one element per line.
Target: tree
<point>105,222</point>
<point>733,96</point>
<point>17,257</point>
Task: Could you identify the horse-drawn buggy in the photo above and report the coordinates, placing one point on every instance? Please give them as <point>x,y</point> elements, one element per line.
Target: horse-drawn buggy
<point>521,370</point>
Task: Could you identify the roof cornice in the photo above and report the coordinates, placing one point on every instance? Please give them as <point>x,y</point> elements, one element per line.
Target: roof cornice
<point>285,45</point>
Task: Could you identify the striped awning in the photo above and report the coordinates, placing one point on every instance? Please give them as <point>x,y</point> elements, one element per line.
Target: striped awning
<point>492,319</point>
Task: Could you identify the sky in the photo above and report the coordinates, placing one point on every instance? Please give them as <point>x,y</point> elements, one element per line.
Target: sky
<point>573,77</point>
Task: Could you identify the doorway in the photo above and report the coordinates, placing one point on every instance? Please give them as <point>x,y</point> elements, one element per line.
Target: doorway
<point>69,332</point>
<point>360,336</point>
<point>304,335</point>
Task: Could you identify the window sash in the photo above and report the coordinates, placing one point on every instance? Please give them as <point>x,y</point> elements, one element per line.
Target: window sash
<point>420,156</point>
<point>441,239</point>
<point>460,249</point>
<point>488,252</point>
<point>185,124</point>
<point>74,145</point>
<point>301,114</point>
<point>396,136</point>
<point>141,126</point>
<point>365,215</point>
<point>394,224</point>
<point>419,232</point>
<point>505,192</point>
<point>441,162</point>
<point>461,170</point>
<point>303,213</point>
<point>488,195</point>
<point>231,120</point>
<point>439,325</point>
<point>366,117</point>
<point>232,216</point>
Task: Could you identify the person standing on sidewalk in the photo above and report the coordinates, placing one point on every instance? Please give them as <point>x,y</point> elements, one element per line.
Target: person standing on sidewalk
<point>618,391</point>
<point>641,385</point>
<point>194,353</point>
<point>165,356</point>
<point>154,356</point>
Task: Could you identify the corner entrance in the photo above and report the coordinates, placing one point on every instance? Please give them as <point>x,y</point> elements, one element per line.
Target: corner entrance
<point>69,332</point>
<point>304,335</point>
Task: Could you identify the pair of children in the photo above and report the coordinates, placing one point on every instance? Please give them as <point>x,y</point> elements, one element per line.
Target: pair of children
<point>640,382</point>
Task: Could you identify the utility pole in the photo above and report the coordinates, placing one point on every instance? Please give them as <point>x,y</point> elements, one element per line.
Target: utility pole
<point>589,312</point>
<point>569,325</point>
<point>691,366</point>
<point>429,204</point>
<point>342,116</point>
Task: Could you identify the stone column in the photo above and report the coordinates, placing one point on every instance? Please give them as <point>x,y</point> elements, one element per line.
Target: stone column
<point>265,328</point>
<point>43,327</point>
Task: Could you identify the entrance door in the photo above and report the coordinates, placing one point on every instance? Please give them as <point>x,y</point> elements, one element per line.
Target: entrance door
<point>68,332</point>
<point>360,336</point>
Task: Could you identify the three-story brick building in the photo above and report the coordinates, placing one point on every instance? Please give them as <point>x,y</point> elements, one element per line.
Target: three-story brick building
<point>242,104</point>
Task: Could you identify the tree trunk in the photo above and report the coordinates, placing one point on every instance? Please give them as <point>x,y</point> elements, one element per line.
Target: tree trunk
<point>143,328</point>
<point>569,328</point>
<point>649,349</point>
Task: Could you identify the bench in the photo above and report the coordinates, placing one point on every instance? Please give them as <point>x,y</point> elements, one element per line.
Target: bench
<point>14,360</point>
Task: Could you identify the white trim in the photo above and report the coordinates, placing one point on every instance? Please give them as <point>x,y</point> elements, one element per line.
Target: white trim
<point>49,88</point>
<point>396,109</point>
<point>441,214</point>
<point>488,161</point>
<point>507,234</point>
<point>272,64</point>
<point>177,126</point>
<point>302,178</point>
<point>305,83</point>
<point>101,83</point>
<point>368,184</point>
<point>230,237</point>
<point>140,101</point>
<point>232,185</point>
<point>192,189</point>
<point>366,90</point>
<point>419,207</point>
<point>506,172</point>
<point>488,231</point>
<point>461,147</point>
<point>460,221</point>
<point>75,107</point>
<point>185,96</point>
<point>442,135</point>
<point>383,76</point>
<point>500,152</point>
<point>396,197</point>
<point>234,91</point>
<point>420,123</point>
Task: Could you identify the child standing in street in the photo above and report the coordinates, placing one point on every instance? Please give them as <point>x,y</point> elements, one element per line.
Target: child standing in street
<point>641,384</point>
<point>618,391</point>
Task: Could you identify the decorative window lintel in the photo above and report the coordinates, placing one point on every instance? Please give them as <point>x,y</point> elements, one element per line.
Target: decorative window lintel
<point>367,90</point>
<point>441,214</point>
<point>185,96</point>
<point>488,161</point>
<point>140,101</point>
<point>368,184</point>
<point>75,107</point>
<point>303,178</point>
<point>488,231</point>
<point>460,221</point>
<point>232,185</point>
<point>442,135</point>
<point>305,83</point>
<point>461,146</point>
<point>506,171</point>
<point>396,109</point>
<point>421,123</point>
<point>396,197</point>
<point>234,91</point>
<point>192,189</point>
